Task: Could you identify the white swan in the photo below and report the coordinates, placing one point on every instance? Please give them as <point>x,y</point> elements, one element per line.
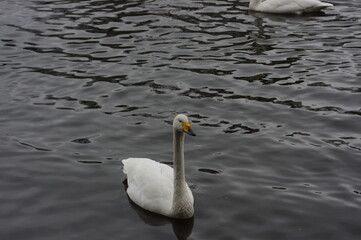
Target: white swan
<point>158,188</point>
<point>287,6</point>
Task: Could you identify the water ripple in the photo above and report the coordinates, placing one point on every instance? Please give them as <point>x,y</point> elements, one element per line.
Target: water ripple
<point>274,100</point>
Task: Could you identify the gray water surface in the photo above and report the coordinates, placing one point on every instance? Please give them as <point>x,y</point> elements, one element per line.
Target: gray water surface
<point>274,100</point>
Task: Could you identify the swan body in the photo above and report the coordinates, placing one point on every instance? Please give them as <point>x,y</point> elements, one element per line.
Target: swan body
<point>157,187</point>
<point>288,6</point>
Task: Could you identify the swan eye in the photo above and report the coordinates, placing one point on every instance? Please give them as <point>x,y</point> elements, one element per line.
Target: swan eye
<point>180,121</point>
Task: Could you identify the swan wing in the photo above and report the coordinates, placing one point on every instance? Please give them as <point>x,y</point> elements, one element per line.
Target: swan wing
<point>150,184</point>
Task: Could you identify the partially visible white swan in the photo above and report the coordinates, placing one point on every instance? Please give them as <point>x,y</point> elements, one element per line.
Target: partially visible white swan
<point>158,188</point>
<point>288,6</point>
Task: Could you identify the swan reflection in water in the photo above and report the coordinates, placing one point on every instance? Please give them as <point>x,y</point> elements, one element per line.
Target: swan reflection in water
<point>182,228</point>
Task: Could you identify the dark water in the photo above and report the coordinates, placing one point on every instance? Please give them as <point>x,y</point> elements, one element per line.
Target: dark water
<point>274,100</point>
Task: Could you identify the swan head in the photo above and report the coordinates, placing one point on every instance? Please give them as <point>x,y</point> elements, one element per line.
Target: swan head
<point>181,124</point>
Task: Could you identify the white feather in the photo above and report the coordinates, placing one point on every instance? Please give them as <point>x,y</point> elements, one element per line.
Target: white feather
<point>150,184</point>
<point>287,6</point>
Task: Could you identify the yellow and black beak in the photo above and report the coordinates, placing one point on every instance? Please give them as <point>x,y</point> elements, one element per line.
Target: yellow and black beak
<point>187,128</point>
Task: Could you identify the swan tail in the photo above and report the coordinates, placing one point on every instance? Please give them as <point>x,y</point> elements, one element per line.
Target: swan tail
<point>328,4</point>
<point>324,5</point>
<point>131,163</point>
<point>319,7</point>
<point>126,162</point>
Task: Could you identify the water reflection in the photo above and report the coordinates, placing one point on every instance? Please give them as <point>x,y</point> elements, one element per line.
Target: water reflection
<point>281,17</point>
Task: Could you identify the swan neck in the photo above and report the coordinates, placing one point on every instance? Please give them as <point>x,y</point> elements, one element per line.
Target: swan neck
<point>178,157</point>
<point>182,205</point>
